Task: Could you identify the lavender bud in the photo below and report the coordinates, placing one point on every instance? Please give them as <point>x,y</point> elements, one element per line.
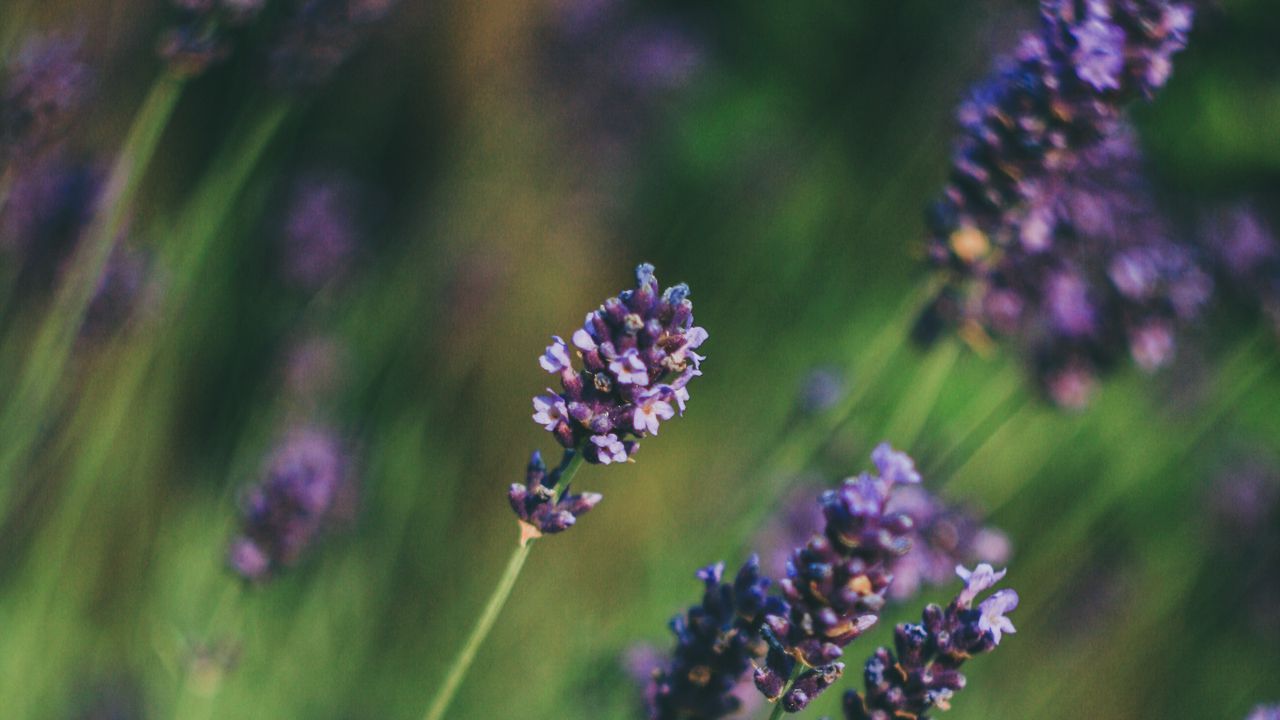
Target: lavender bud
<point>321,232</point>
<point>541,508</point>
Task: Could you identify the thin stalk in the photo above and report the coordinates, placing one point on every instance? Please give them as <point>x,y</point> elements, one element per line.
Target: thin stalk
<point>226,620</point>
<point>493,608</point>
<point>903,429</point>
<point>29,409</point>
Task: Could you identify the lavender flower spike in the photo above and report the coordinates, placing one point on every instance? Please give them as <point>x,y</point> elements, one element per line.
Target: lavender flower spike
<point>923,671</point>
<point>540,511</point>
<point>716,643</point>
<point>638,356</point>
<point>307,486</point>
<point>319,36</point>
<point>41,92</point>
<point>835,585</point>
<point>1265,712</point>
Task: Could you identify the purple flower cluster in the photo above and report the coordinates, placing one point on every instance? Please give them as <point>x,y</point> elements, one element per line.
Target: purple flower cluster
<point>1246,255</point>
<point>1037,239</point>
<point>1265,712</point>
<point>1088,273</point>
<point>541,510</point>
<point>42,91</point>
<point>308,485</point>
<point>836,584</point>
<point>923,671</point>
<point>716,643</point>
<point>321,231</point>
<point>318,36</point>
<point>943,536</point>
<point>638,355</point>
<point>199,38</point>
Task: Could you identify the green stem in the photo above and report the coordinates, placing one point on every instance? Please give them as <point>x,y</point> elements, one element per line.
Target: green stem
<point>28,412</point>
<point>493,608</point>
<point>224,623</point>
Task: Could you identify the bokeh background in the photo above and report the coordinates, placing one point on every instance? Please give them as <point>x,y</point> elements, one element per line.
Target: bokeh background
<point>503,168</point>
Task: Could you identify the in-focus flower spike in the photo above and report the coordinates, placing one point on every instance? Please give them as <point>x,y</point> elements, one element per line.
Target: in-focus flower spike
<point>638,356</point>
<point>308,485</point>
<point>835,585</point>
<point>922,672</point>
<point>716,642</point>
<point>42,90</point>
<point>201,36</point>
<point>318,36</point>
<point>535,502</point>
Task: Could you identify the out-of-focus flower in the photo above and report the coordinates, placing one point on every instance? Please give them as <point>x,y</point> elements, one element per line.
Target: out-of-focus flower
<point>42,91</point>
<point>1045,231</point>
<point>1086,273</point>
<point>308,485</point>
<point>536,503</point>
<point>1265,712</point>
<point>321,232</point>
<point>822,389</point>
<point>121,292</point>
<point>922,672</point>
<point>1243,504</point>
<point>201,35</point>
<point>836,583</point>
<point>51,199</point>
<point>942,536</point>
<point>716,642</point>
<point>638,353</point>
<point>319,35</point>
<point>1246,255</point>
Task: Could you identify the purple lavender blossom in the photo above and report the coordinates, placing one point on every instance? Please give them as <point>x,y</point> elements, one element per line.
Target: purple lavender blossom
<point>51,199</point>
<point>201,36</point>
<point>717,641</point>
<point>319,35</point>
<point>308,485</point>
<point>1044,199</point>
<point>1246,255</point>
<point>321,231</point>
<point>1265,712</point>
<point>638,353</point>
<point>540,509</point>
<point>836,584</point>
<point>42,90</point>
<point>1086,273</point>
<point>942,536</point>
<point>922,672</point>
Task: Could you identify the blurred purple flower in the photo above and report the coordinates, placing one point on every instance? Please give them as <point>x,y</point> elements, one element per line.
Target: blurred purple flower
<point>307,486</point>
<point>321,232</point>
<point>319,35</point>
<point>42,91</point>
<point>1265,712</point>
<point>922,672</point>
<point>942,536</point>
<point>200,37</point>
<point>1246,255</point>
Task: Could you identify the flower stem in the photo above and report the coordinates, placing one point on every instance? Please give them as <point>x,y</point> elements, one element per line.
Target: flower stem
<point>493,608</point>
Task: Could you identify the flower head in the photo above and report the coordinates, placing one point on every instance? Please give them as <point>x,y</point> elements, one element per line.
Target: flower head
<point>1265,712</point>
<point>942,535</point>
<point>307,485</point>
<point>540,509</point>
<point>319,35</point>
<point>41,92</point>
<point>201,37</point>
<point>638,357</point>
<point>321,230</point>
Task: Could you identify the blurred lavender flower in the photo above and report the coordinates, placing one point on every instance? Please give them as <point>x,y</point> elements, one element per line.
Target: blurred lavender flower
<point>42,90</point>
<point>1265,712</point>
<point>716,642</point>
<point>1243,504</point>
<point>308,485</point>
<point>1038,236</point>
<point>925,672</point>
<point>540,509</point>
<point>321,231</point>
<point>318,36</point>
<point>822,389</point>
<point>1246,255</point>
<point>836,584</point>
<point>51,199</point>
<point>942,536</point>
<point>638,353</point>
<point>1086,273</point>
<point>798,518</point>
<point>200,37</point>
<point>121,292</point>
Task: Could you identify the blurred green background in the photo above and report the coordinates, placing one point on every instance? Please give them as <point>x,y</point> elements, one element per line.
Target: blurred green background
<point>509,187</point>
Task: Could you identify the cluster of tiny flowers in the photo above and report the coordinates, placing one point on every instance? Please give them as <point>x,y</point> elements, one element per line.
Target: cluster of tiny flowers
<point>638,355</point>
<point>321,231</point>
<point>923,671</point>
<point>318,36</point>
<point>199,38</point>
<point>716,642</point>
<point>307,486</point>
<point>536,503</point>
<point>835,585</point>
<point>1089,275</point>
<point>42,91</point>
<point>1002,230</point>
<point>943,536</point>
<point>1246,256</point>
